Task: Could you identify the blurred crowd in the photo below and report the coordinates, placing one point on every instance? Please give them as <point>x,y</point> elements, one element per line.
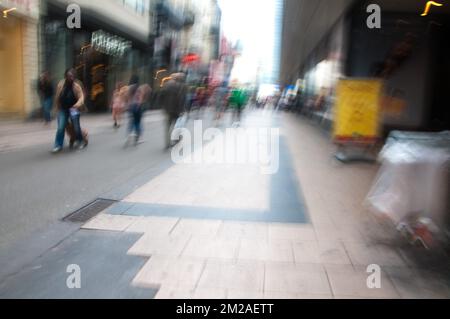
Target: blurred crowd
<point>66,102</point>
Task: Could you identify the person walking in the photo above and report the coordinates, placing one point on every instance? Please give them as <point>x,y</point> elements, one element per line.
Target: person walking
<point>220,95</point>
<point>190,100</point>
<point>136,97</point>
<point>172,99</point>
<point>199,101</point>
<point>46,92</point>
<point>69,99</point>
<point>118,104</point>
<point>238,101</point>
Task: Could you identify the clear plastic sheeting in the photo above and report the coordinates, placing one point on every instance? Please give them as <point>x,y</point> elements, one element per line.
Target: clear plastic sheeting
<point>412,187</point>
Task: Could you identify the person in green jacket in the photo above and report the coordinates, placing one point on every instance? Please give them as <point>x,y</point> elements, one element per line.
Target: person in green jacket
<point>238,101</point>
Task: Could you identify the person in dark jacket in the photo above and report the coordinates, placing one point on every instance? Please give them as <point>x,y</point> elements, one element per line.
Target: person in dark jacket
<point>46,92</point>
<point>137,95</point>
<point>69,100</point>
<point>173,99</point>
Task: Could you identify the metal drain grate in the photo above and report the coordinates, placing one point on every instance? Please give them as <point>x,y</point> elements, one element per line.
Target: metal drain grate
<point>90,210</point>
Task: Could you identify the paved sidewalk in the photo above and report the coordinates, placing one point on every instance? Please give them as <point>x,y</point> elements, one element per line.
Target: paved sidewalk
<point>226,231</point>
<point>16,134</point>
<point>216,257</point>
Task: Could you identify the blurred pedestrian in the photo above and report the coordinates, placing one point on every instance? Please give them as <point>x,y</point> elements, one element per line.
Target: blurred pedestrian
<point>46,92</point>
<point>137,95</point>
<point>220,100</point>
<point>200,98</point>
<point>172,100</point>
<point>69,100</point>
<point>190,100</point>
<point>238,101</point>
<point>118,104</point>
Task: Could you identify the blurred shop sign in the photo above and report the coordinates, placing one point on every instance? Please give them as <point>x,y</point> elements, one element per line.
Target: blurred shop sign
<point>357,111</point>
<point>190,58</point>
<point>28,8</point>
<point>109,44</point>
<point>394,103</point>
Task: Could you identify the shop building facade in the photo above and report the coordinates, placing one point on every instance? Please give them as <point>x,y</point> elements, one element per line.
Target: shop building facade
<point>113,43</point>
<point>187,38</point>
<point>408,53</point>
<point>117,38</point>
<point>19,58</point>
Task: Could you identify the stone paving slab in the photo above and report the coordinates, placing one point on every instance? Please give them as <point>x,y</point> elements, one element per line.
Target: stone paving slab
<point>222,192</point>
<point>238,253</point>
<point>189,250</point>
<point>106,270</point>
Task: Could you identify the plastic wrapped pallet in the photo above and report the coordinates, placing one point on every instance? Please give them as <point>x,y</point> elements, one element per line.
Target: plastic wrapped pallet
<point>413,181</point>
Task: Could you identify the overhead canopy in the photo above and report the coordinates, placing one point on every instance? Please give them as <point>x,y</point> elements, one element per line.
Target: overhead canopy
<point>97,19</point>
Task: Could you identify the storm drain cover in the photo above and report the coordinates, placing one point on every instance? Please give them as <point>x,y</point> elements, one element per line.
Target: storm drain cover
<point>90,210</point>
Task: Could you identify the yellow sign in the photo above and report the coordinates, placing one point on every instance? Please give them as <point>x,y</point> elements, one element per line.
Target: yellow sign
<point>357,111</point>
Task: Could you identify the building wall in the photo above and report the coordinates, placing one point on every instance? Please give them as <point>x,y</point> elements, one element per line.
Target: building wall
<point>100,68</point>
<point>326,64</point>
<point>278,24</point>
<point>198,38</point>
<point>19,58</point>
<point>199,32</point>
<point>414,89</point>
<point>23,58</point>
<point>11,65</point>
<point>119,13</point>
<point>30,52</point>
<point>305,23</point>
<point>411,81</point>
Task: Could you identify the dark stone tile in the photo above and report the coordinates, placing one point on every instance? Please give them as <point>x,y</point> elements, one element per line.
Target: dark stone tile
<point>119,208</point>
<point>286,205</point>
<point>106,270</point>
